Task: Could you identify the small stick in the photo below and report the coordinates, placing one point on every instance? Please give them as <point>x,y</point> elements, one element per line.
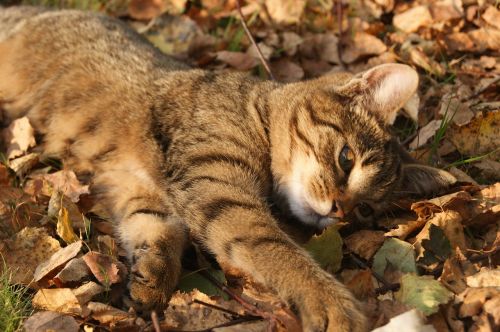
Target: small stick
<point>340,15</point>
<point>386,285</point>
<point>252,40</point>
<point>480,91</point>
<point>156,322</point>
<point>216,307</point>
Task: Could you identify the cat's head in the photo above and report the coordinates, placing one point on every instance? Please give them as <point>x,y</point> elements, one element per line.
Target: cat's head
<point>331,148</point>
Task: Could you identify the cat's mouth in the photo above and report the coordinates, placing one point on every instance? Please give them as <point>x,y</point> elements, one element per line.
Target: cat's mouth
<point>318,220</point>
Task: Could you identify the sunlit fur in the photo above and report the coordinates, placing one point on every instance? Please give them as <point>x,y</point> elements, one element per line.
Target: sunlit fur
<point>231,159</point>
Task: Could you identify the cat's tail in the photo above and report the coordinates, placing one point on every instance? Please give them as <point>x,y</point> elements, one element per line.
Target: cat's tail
<point>13,17</point>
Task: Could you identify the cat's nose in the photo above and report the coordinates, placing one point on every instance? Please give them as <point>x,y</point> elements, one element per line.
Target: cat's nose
<point>337,210</point>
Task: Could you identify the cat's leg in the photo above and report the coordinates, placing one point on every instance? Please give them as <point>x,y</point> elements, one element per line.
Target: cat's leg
<point>153,238</point>
<point>236,225</point>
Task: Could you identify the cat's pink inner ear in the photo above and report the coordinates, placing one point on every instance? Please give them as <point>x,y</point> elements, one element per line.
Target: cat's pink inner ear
<point>388,87</point>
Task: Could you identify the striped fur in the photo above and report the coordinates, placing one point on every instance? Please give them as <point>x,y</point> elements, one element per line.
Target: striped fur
<point>221,155</point>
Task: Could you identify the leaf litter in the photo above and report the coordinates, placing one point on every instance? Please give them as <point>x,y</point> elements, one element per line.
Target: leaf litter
<point>431,265</point>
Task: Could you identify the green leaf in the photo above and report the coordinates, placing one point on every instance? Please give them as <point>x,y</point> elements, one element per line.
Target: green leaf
<point>423,293</point>
<point>400,254</point>
<point>327,248</point>
<point>437,247</point>
<point>194,280</point>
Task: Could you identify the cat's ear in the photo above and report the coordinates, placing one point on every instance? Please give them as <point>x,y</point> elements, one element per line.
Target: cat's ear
<point>423,180</point>
<point>384,89</point>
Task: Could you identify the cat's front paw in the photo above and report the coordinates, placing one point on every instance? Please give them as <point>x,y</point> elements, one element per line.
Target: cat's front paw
<point>154,276</point>
<point>331,307</point>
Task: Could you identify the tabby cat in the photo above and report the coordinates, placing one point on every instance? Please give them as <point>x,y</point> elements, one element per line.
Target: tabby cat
<point>171,150</point>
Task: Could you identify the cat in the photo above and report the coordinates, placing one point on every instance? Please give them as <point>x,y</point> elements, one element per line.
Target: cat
<point>171,150</point>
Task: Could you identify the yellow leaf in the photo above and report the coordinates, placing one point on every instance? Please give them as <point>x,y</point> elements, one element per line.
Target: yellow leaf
<point>65,227</point>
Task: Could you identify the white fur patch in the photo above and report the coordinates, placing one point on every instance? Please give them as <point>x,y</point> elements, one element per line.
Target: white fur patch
<point>304,206</point>
<point>359,179</point>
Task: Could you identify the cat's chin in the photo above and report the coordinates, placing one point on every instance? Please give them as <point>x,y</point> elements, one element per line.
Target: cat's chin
<point>309,217</point>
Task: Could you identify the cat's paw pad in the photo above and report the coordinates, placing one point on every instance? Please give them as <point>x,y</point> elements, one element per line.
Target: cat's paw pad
<point>153,278</point>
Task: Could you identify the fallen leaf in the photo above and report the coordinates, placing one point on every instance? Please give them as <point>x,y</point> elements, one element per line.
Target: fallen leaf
<point>362,44</point>
<point>286,71</point>
<point>425,134</point>
<point>473,300</point>
<point>360,284</point>
<point>267,51</point>
<point>44,321</point>
<point>104,268</point>
<point>64,227</point>
<point>433,245</point>
<point>285,11</point>
<point>19,137</point>
<point>485,278</point>
<point>326,248</point>
<point>238,60</point>
<point>365,243</point>
<point>87,291</point>
<point>291,42</point>
<point>485,38</point>
<point>148,9</point>
<point>25,251</point>
<point>106,314</point>
<point>492,16</point>
<point>410,321</point>
<point>422,293</point>
<point>61,300</point>
<point>446,10</point>
<point>399,254</point>
<point>403,230</point>
<point>57,260</point>
<point>412,19</point>
<point>67,183</point>
<point>75,270</point>
<point>479,136</point>
<point>22,165</point>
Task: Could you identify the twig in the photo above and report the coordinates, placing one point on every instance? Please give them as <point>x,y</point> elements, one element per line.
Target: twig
<point>216,307</point>
<point>340,14</point>
<point>156,322</point>
<point>483,89</point>
<point>252,40</point>
<point>387,286</point>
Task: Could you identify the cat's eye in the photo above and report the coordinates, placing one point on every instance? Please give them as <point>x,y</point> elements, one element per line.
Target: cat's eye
<point>346,159</point>
<point>365,210</point>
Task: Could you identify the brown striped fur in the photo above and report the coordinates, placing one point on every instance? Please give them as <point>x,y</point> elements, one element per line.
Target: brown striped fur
<point>171,150</point>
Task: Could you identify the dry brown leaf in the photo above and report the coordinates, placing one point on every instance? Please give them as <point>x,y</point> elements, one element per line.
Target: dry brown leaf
<point>473,300</point>
<point>67,183</point>
<point>87,291</point>
<point>451,223</point>
<point>4,175</point>
<point>238,60</point>
<point>106,314</point>
<point>22,165</point>
<point>485,38</point>
<point>480,136</point>
<point>45,321</point>
<point>291,42</point>
<point>360,283</point>
<point>183,314</point>
<point>455,270</point>
<point>485,278</point>
<point>286,71</point>
<point>446,10</point>
<point>365,243</point>
<point>412,19</point>
<point>148,9</point>
<point>267,51</point>
<point>362,44</point>
<point>420,59</point>
<point>19,137</point>
<point>492,16</point>
<point>403,230</point>
<point>58,259</point>
<point>459,41</point>
<point>104,268</point>
<point>75,271</point>
<point>425,134</point>
<point>25,251</point>
<point>61,300</point>
<point>285,11</point>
